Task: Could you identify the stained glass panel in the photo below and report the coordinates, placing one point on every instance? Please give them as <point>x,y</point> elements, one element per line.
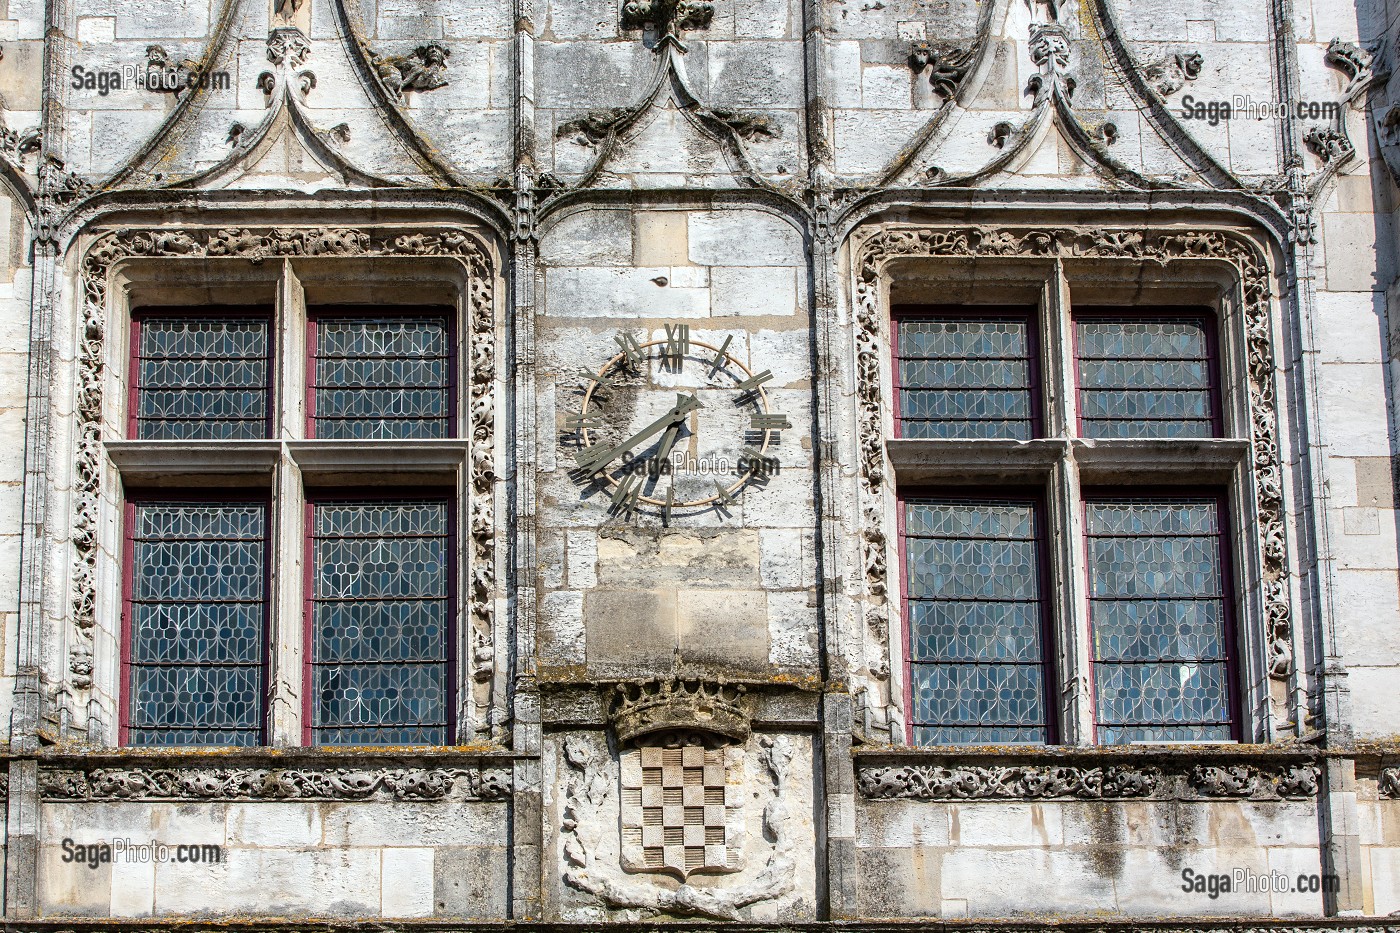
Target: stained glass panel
<point>196,607</point>
<point>965,377</point>
<point>202,377</point>
<point>382,378</point>
<point>1157,606</point>
<point>1145,377</point>
<point>380,622</point>
<point>975,621</point>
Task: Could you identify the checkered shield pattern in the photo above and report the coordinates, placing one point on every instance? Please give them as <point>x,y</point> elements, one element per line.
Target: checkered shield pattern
<point>680,815</point>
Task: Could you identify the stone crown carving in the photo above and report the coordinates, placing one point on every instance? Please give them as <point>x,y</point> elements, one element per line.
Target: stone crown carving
<point>641,709</point>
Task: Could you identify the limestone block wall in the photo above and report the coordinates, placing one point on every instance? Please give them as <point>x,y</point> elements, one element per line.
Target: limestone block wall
<point>356,859</point>
<point>1379,827</point>
<point>590,74</point>
<point>1102,857</point>
<point>622,598</point>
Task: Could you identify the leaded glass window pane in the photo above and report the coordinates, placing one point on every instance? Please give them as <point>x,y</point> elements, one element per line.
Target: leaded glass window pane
<point>965,377</point>
<point>1145,377</point>
<point>381,609</point>
<point>202,377</point>
<point>196,610</point>
<point>1159,613</point>
<point>975,621</point>
<point>384,377</point>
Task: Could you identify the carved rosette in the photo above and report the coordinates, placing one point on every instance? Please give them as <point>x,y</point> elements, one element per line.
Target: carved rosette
<point>1138,245</point>
<point>230,784</point>
<point>257,246</point>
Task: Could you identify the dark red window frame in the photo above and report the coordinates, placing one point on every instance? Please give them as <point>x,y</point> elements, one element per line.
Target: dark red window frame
<point>176,312</point>
<point>317,496</point>
<point>195,497</point>
<point>1031,315</point>
<point>1227,579</point>
<point>447,314</point>
<point>1210,326</point>
<point>1048,641</point>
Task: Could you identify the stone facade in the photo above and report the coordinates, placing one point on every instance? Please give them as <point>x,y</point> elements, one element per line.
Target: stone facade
<point>694,706</point>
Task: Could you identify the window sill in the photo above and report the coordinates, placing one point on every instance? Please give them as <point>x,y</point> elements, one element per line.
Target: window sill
<point>1159,460</point>
<point>178,460</point>
<point>973,461</point>
<point>169,463</point>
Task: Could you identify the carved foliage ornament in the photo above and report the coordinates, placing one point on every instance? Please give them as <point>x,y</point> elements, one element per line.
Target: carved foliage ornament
<point>928,782</point>
<point>1136,245</point>
<point>1072,782</point>
<point>669,16</point>
<point>257,246</point>
<point>1247,781</point>
<point>274,784</point>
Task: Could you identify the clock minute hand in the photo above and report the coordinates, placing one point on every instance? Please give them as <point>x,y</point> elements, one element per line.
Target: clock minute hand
<point>593,460</point>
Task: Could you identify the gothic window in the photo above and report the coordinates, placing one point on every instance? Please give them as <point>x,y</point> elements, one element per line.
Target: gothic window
<point>201,374</point>
<point>976,615</point>
<point>965,375</point>
<point>196,611</point>
<point>288,417</point>
<point>1063,478</point>
<point>379,612</point>
<point>386,374</point>
<point>1146,376</point>
<point>1159,614</point>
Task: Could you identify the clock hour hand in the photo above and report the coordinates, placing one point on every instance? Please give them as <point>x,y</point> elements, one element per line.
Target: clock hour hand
<point>668,440</point>
<point>593,459</point>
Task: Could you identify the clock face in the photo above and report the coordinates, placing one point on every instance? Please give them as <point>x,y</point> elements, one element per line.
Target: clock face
<point>673,427</point>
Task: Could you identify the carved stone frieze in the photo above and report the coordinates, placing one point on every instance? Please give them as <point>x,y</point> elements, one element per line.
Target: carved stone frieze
<point>931,782</point>
<point>1249,782</point>
<point>641,709</point>
<point>274,784</point>
<point>918,781</point>
<point>258,246</point>
<point>1170,75</point>
<point>1160,247</point>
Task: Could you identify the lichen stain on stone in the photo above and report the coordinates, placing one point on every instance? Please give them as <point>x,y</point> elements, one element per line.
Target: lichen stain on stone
<point>1109,830</point>
<point>1179,821</point>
